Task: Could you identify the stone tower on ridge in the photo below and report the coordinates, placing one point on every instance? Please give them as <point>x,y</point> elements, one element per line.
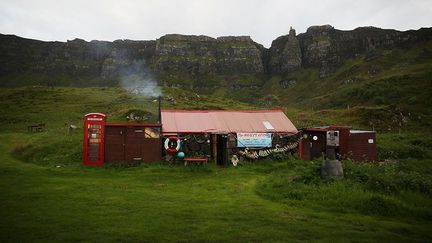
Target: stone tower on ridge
<point>286,54</point>
<point>292,53</point>
<point>292,32</point>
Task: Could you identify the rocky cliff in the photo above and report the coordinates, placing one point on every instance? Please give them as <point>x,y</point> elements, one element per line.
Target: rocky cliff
<point>77,62</point>
<point>327,48</point>
<point>47,62</point>
<point>201,55</point>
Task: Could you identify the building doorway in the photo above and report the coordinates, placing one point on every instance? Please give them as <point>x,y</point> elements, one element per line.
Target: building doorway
<point>222,152</point>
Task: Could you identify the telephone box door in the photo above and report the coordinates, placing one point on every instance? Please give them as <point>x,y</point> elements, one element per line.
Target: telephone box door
<point>93,146</point>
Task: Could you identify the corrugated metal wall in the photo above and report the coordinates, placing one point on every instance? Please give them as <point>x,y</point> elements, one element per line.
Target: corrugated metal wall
<point>353,144</point>
<point>362,146</point>
<point>132,144</point>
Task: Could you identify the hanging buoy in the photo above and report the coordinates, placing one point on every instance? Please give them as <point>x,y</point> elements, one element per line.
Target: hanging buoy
<point>172,144</point>
<point>180,155</point>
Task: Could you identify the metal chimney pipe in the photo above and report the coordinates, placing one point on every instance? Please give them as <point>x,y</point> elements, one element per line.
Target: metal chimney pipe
<point>159,110</point>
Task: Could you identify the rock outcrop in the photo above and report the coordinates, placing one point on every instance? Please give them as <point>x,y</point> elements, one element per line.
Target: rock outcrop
<point>285,54</point>
<point>78,62</point>
<point>74,62</point>
<point>202,55</point>
<point>326,48</point>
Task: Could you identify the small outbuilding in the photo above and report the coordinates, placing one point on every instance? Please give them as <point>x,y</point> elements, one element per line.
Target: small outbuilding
<point>132,143</point>
<point>357,145</point>
<point>119,142</point>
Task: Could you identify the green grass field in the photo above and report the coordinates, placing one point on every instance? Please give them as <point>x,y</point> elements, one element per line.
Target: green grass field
<point>47,195</point>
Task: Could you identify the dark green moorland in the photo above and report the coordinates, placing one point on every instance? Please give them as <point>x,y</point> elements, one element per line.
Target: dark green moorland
<point>47,195</point>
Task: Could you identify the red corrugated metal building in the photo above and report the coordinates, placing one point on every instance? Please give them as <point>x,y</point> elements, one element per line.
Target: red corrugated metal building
<point>220,128</point>
<point>204,134</point>
<point>226,121</point>
<point>119,142</point>
<point>353,144</point>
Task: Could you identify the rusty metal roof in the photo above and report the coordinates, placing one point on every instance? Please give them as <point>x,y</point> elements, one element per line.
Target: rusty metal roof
<point>226,121</point>
<point>327,128</point>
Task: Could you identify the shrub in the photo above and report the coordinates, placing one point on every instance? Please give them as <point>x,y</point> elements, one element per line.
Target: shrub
<point>403,146</point>
<point>378,205</point>
<point>371,189</point>
<point>21,148</point>
<point>389,178</point>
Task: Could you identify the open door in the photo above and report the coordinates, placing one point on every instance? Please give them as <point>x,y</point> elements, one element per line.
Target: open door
<point>222,152</point>
<point>317,144</point>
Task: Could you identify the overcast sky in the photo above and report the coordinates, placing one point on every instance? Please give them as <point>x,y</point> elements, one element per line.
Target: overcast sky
<point>149,19</point>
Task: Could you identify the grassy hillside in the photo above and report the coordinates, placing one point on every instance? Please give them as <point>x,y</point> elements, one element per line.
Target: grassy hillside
<point>47,195</point>
<point>60,106</point>
<point>397,78</point>
<point>263,202</point>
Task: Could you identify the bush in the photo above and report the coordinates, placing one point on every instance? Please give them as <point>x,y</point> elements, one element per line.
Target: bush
<point>378,205</point>
<point>281,156</point>
<point>310,174</point>
<point>403,146</point>
<point>368,188</point>
<point>388,178</point>
<point>51,149</point>
<point>280,187</point>
<point>21,148</point>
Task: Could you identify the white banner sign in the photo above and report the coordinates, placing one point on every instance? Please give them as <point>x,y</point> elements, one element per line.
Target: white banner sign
<point>254,140</point>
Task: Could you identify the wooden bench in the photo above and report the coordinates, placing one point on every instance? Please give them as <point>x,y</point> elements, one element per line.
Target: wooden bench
<point>195,160</point>
<point>36,128</point>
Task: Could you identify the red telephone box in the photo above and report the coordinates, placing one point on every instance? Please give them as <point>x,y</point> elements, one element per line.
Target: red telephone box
<point>93,146</point>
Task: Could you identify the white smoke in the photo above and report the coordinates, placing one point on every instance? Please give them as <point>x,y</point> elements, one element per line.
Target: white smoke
<point>138,79</point>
